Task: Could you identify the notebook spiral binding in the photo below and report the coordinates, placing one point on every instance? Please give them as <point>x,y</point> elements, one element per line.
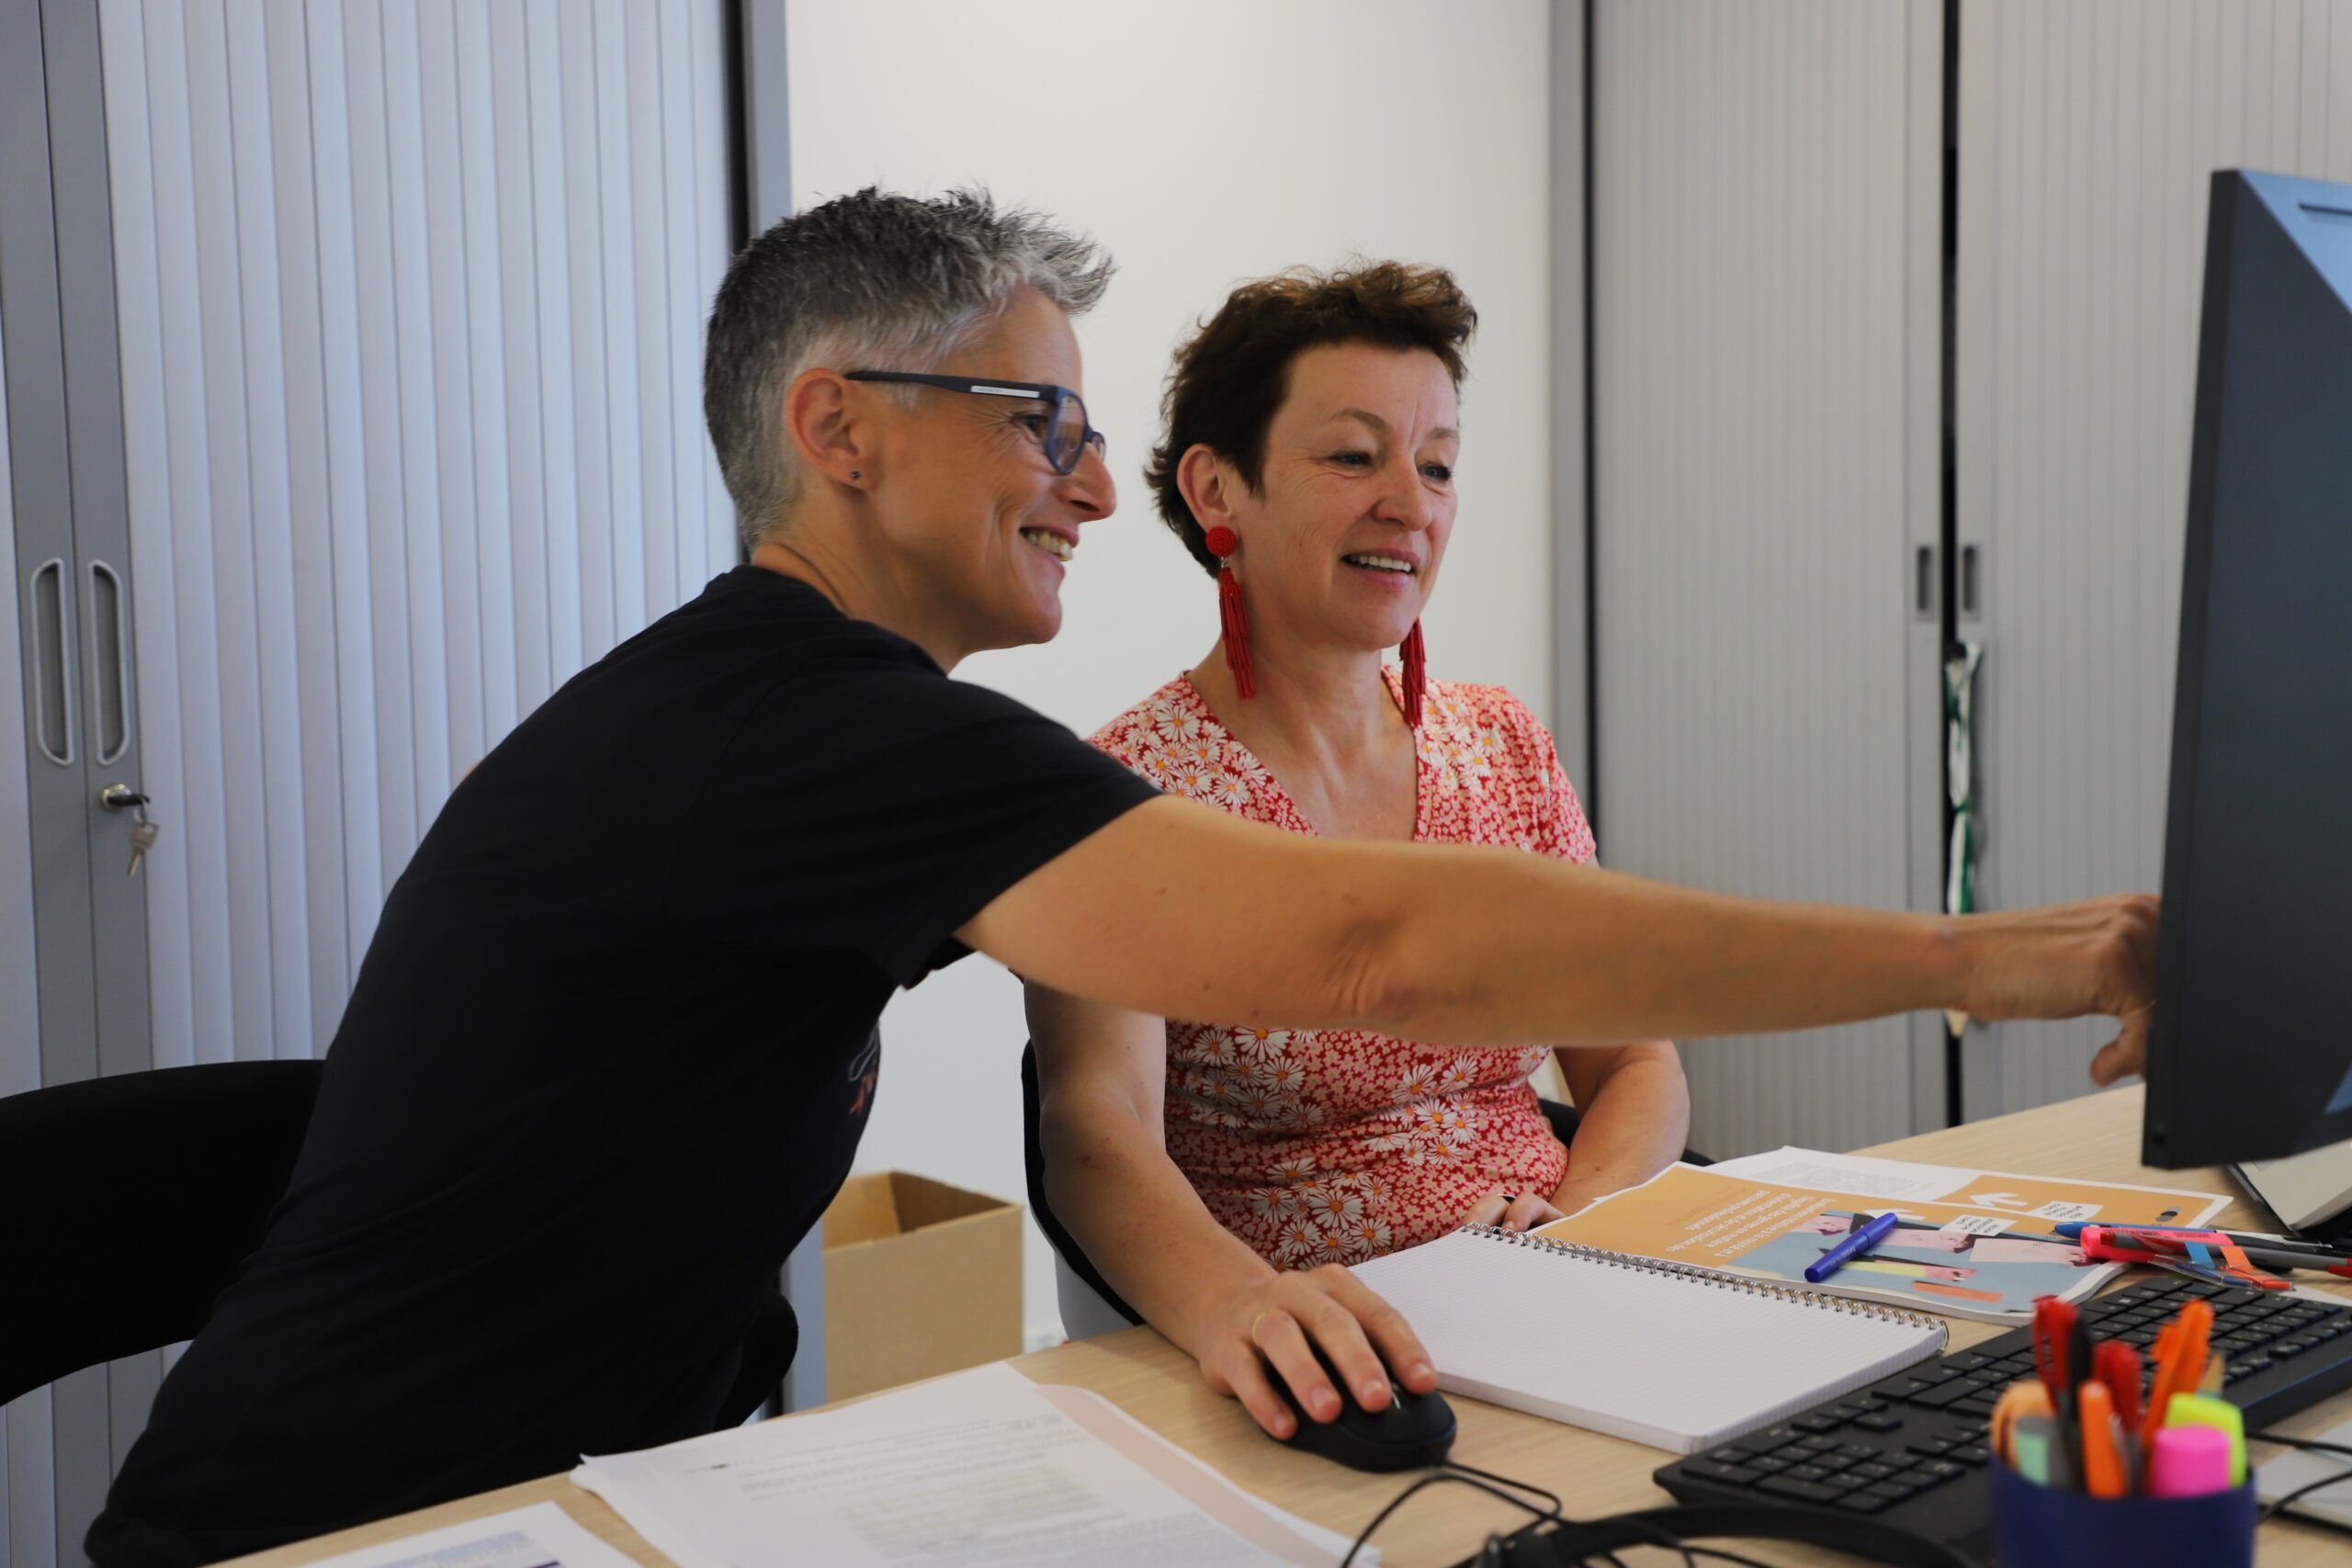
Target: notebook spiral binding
<point>1716,1277</point>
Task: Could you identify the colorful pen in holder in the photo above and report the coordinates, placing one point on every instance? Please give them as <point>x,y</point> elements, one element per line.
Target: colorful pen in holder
<point>2083,1475</point>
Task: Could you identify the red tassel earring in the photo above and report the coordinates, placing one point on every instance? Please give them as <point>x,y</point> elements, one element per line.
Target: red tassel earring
<point>1417,675</point>
<point>1222,542</point>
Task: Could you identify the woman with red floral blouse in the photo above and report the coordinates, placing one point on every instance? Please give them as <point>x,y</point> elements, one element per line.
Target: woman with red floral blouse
<point>1311,438</point>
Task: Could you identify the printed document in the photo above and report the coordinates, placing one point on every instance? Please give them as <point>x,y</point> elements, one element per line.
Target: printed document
<point>984,1469</point>
<point>541,1536</point>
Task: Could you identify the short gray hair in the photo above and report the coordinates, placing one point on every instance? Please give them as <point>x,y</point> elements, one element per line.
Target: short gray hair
<point>869,281</point>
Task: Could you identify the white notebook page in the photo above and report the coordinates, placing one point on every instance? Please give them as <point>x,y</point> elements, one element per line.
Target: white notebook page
<point>1676,1361</point>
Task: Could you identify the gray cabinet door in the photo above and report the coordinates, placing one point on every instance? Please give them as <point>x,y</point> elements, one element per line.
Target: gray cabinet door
<point>77,913</point>
<point>2088,136</point>
<point>28,1503</point>
<point>1767,277</point>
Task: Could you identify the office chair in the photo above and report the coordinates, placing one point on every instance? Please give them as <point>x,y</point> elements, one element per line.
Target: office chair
<point>1088,1305</point>
<point>153,1189</point>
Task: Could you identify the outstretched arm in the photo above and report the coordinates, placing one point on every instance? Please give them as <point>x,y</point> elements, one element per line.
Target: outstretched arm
<point>1179,909</point>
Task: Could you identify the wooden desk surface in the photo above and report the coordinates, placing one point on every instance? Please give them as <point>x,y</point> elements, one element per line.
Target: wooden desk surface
<point>2097,1136</point>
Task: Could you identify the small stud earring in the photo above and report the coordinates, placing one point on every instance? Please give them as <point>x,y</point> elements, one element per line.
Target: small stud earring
<point>856,475</point>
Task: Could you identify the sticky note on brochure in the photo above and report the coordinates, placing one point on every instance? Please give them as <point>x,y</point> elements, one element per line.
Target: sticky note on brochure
<point>1979,1225</point>
<point>1972,1244</point>
<point>2002,1250</point>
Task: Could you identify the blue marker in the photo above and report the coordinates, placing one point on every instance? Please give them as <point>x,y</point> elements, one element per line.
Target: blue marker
<point>1858,1242</point>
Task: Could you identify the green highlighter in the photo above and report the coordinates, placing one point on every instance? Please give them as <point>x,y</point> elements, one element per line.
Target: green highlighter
<point>2204,1410</point>
<point>2032,1443</point>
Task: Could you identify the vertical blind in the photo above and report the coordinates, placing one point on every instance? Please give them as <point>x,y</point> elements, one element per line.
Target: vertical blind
<point>412,296</point>
<point>2088,137</point>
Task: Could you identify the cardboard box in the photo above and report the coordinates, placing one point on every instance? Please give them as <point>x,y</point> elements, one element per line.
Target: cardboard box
<point>921,1279</point>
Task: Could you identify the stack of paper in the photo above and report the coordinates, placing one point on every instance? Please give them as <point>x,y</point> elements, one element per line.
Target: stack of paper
<point>984,1468</point>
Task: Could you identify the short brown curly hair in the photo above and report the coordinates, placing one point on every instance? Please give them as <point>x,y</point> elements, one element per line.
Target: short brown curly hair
<point>1230,378</point>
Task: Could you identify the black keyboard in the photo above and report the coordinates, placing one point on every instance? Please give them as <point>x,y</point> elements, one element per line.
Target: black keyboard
<point>1912,1449</point>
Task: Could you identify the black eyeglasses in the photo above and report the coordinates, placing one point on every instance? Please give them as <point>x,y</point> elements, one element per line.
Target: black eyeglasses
<point>1065,434</point>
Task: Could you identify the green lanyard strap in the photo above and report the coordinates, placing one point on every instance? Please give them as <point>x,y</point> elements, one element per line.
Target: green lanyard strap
<point>1960,786</point>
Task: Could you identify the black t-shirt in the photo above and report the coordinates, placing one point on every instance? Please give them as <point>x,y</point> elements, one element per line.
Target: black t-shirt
<point>606,1062</point>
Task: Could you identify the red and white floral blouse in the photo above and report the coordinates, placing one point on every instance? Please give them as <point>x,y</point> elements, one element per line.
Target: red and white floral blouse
<point>1319,1145</point>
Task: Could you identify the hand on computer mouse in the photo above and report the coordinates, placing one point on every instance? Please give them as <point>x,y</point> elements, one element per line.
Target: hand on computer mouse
<point>1272,1329</point>
<point>1410,1431</point>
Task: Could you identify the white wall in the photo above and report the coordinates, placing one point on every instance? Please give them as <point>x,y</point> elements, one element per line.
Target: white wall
<point>1203,143</point>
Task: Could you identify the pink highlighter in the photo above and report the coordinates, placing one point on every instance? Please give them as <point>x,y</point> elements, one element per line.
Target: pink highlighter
<point>2188,1461</point>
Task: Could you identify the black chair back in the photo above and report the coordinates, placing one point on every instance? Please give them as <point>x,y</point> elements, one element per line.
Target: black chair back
<point>154,1188</point>
<point>139,1197</point>
<point>1033,1156</point>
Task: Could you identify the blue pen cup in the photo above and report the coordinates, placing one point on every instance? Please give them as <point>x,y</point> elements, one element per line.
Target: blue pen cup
<point>2050,1526</point>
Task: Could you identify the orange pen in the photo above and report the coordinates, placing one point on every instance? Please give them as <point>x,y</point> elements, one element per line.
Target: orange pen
<point>2103,1473</point>
<point>2180,1362</point>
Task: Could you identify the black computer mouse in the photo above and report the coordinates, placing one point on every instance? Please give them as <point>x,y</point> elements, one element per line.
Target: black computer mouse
<point>1414,1430</point>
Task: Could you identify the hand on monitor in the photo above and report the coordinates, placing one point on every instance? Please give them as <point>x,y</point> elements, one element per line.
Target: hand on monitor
<point>2070,961</point>
<point>2125,1055</point>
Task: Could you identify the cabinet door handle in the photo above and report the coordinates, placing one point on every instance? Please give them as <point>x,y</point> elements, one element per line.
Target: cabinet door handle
<point>110,649</point>
<point>1971,607</point>
<point>52,606</point>
<point>1923,584</point>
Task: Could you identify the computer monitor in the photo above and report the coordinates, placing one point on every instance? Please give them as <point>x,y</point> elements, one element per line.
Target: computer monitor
<point>2250,1055</point>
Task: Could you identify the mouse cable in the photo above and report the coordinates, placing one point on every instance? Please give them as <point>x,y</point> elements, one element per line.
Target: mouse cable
<point>2312,1445</point>
<point>1663,1539</point>
<point>1554,1516</point>
<point>1469,1475</point>
<point>1475,1479</point>
<point>1552,1497</point>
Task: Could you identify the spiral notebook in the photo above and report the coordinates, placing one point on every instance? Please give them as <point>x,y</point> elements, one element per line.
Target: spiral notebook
<point>1666,1354</point>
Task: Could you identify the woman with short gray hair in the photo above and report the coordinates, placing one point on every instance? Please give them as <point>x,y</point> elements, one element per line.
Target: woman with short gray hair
<point>870,279</point>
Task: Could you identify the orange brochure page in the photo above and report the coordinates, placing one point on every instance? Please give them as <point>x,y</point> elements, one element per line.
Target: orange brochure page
<point>1978,1245</point>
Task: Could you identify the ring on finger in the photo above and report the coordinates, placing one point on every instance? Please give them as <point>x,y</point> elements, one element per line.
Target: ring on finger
<point>1253,1326</point>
